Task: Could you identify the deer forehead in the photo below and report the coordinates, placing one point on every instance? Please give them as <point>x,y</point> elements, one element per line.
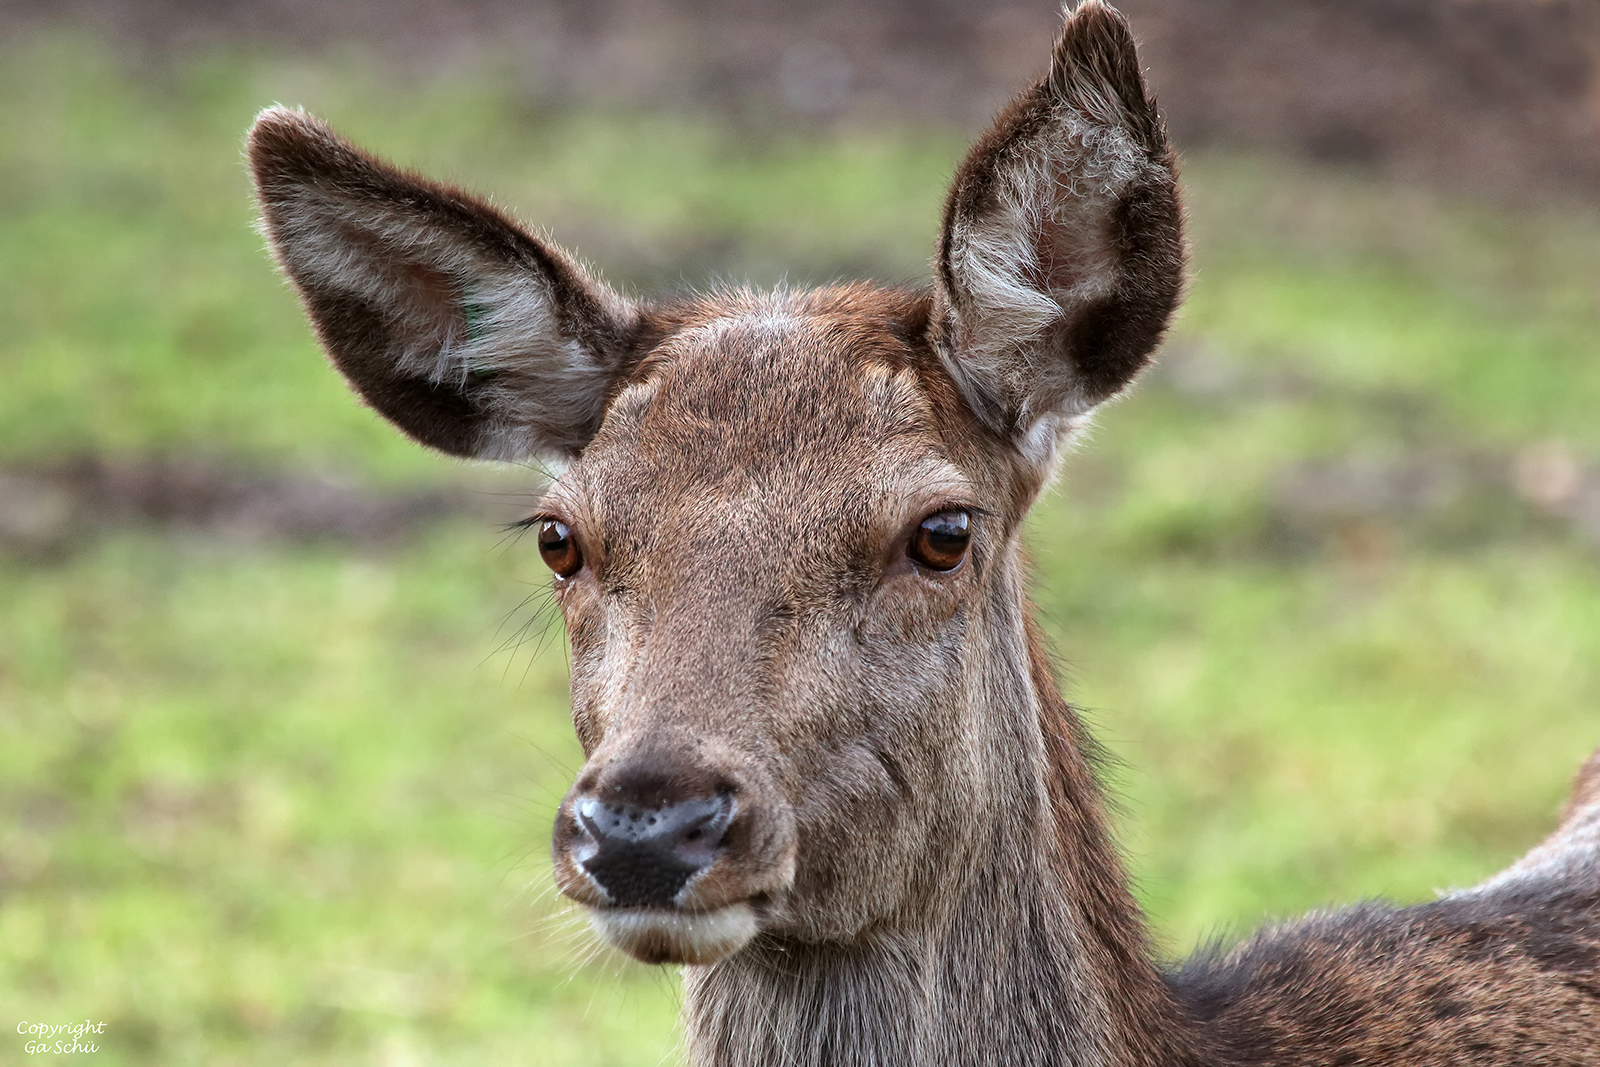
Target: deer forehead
<point>766,425</point>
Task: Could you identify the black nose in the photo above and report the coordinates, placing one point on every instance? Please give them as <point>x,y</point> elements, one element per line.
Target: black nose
<point>644,856</point>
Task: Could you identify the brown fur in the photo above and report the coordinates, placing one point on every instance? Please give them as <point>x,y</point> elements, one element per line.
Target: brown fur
<point>917,868</point>
<point>1585,788</point>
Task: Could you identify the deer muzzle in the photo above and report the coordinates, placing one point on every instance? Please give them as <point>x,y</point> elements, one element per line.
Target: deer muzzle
<point>676,861</point>
<point>642,857</point>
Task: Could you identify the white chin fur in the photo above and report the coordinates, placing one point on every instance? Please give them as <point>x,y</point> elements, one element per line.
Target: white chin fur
<point>656,936</point>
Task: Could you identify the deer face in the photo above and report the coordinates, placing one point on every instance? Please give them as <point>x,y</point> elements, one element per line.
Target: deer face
<point>784,546</point>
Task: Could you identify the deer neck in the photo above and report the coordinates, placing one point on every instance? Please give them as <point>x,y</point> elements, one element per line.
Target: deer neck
<point>1040,959</point>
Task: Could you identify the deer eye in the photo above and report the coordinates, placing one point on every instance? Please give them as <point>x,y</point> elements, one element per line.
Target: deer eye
<point>559,549</point>
<point>940,542</point>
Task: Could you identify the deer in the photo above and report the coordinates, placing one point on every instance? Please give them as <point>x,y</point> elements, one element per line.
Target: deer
<point>829,769</point>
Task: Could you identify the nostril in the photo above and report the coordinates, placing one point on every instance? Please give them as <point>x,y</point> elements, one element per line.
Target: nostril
<point>646,857</point>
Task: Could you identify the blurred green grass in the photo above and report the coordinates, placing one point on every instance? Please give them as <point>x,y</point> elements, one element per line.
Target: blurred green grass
<point>279,804</point>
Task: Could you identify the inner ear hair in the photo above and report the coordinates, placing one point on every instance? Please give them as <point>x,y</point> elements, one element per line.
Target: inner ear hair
<point>1061,258</point>
<point>469,333</point>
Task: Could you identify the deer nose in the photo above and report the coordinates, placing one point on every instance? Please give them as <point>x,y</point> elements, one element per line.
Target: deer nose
<point>644,856</point>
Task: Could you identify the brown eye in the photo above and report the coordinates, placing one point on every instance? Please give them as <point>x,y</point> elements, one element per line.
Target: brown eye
<point>559,548</point>
<point>940,542</point>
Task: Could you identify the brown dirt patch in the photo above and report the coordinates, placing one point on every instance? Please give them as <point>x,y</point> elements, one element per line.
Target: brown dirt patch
<point>1496,96</point>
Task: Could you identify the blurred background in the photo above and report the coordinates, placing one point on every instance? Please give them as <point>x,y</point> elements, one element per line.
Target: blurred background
<point>282,708</point>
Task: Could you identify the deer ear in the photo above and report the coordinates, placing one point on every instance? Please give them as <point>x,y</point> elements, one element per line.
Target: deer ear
<point>468,333</point>
<point>1061,257</point>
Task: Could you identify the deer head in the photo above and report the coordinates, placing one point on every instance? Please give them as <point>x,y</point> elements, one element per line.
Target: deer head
<point>785,541</point>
